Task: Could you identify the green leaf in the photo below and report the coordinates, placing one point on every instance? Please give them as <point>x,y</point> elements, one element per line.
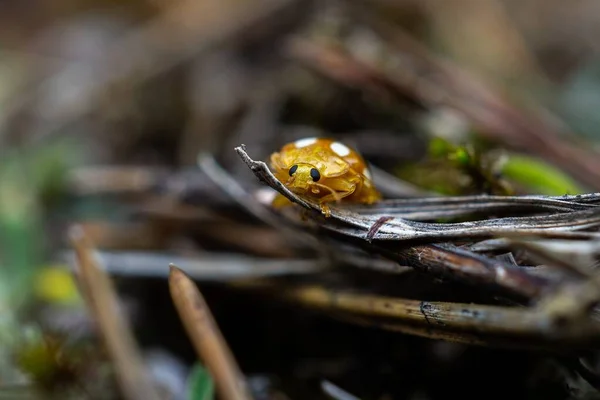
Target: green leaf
<point>200,384</point>
<point>539,177</point>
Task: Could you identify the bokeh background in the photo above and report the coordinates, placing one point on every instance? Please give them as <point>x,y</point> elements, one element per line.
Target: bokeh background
<point>105,107</point>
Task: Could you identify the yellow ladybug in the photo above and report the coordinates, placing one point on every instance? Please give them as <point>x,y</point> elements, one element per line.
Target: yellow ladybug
<point>324,170</point>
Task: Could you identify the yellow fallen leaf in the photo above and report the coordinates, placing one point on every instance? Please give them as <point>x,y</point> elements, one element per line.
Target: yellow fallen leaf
<point>56,285</point>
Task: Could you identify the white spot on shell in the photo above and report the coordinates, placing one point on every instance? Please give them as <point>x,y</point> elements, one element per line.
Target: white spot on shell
<point>367,173</point>
<point>340,149</point>
<point>305,142</point>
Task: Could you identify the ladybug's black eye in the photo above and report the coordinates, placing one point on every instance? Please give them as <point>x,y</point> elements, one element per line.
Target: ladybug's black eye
<point>293,169</point>
<point>314,174</point>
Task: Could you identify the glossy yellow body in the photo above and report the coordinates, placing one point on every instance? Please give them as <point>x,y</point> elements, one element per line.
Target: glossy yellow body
<point>341,173</point>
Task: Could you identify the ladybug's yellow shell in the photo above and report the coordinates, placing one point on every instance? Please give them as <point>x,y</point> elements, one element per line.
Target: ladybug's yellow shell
<point>342,172</point>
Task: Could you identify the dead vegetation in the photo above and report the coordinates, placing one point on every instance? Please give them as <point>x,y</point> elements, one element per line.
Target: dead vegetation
<point>140,257</point>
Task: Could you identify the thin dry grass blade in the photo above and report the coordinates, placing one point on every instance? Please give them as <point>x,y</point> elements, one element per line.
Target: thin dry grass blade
<point>101,298</point>
<point>206,337</point>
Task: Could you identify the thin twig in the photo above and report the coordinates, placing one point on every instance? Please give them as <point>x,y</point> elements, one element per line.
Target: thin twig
<point>102,301</point>
<point>576,257</point>
<point>221,178</point>
<point>209,267</point>
<point>229,185</point>
<point>466,323</point>
<point>432,208</point>
<point>206,337</point>
<point>554,225</point>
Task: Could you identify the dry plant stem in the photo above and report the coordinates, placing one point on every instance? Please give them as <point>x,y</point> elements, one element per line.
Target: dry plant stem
<point>209,267</point>
<point>476,339</point>
<point>438,259</point>
<point>448,260</point>
<point>431,208</point>
<point>120,343</point>
<point>573,302</point>
<point>465,323</point>
<point>219,177</point>
<point>578,260</point>
<point>230,186</point>
<point>571,306</point>
<point>563,225</point>
<point>143,180</point>
<point>206,337</point>
<point>553,225</point>
<point>115,179</point>
<point>426,332</point>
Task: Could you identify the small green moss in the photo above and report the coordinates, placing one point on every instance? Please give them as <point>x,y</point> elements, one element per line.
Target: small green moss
<point>439,148</point>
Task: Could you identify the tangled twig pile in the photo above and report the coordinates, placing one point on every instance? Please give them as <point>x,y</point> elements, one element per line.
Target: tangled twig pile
<point>560,307</point>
